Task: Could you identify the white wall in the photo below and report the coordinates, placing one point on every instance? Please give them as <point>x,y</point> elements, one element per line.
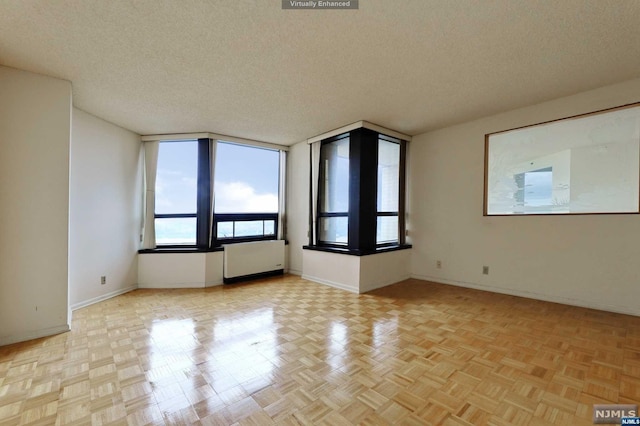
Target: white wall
<point>213,269</point>
<point>180,270</point>
<point>171,270</point>
<point>105,209</point>
<point>297,204</point>
<point>357,274</point>
<point>35,128</point>
<point>336,270</point>
<point>583,260</point>
<point>383,269</point>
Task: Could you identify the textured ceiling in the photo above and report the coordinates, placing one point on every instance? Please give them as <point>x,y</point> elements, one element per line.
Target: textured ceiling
<point>250,69</point>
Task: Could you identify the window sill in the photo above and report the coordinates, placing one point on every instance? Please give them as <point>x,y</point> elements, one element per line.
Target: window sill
<point>191,249</point>
<point>179,250</point>
<point>348,252</point>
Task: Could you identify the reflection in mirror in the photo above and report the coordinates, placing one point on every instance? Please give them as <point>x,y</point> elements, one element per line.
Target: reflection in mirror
<point>578,165</point>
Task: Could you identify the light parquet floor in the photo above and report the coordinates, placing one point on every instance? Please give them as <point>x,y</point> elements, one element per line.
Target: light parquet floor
<point>288,351</point>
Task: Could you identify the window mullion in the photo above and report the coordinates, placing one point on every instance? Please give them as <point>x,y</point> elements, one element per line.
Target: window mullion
<point>402,183</point>
<point>363,185</point>
<point>203,224</point>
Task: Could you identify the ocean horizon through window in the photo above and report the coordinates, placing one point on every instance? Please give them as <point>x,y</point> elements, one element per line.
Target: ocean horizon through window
<point>211,192</point>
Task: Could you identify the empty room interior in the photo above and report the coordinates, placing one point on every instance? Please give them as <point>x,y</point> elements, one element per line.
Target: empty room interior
<point>350,212</point>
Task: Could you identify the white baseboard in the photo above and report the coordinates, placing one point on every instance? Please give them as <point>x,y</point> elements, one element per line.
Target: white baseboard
<point>213,283</point>
<point>200,284</point>
<point>23,337</point>
<point>294,272</point>
<point>331,283</point>
<point>533,295</point>
<point>97,299</point>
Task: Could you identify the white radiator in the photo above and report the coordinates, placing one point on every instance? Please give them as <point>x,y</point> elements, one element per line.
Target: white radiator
<point>247,260</point>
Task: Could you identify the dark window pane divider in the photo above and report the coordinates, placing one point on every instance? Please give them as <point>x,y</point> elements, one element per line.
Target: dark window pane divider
<point>363,180</point>
<point>174,215</point>
<point>203,225</point>
<point>236,218</point>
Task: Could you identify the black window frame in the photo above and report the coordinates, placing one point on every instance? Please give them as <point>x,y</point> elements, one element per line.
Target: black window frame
<point>322,214</point>
<point>203,200</point>
<point>244,217</point>
<point>206,218</point>
<point>363,180</point>
<point>401,191</point>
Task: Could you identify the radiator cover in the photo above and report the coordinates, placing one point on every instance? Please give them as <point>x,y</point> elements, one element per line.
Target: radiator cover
<point>244,261</point>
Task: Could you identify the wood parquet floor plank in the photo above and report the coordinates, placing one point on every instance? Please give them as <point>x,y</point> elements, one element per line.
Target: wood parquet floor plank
<point>286,351</point>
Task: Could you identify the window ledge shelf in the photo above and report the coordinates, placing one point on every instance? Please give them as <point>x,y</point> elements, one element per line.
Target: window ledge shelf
<point>179,250</point>
<point>193,249</point>
<point>349,252</point>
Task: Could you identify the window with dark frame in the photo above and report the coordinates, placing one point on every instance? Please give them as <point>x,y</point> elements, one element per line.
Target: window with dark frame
<point>361,192</point>
<point>247,193</point>
<point>177,193</point>
<point>244,227</point>
<point>183,215</point>
<point>333,206</point>
<point>388,191</point>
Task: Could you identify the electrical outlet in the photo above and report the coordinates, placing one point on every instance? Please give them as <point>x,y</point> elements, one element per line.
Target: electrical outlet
<point>485,270</point>
<point>439,264</point>
<point>103,280</point>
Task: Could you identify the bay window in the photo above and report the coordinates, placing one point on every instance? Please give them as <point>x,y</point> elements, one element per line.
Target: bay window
<point>360,192</point>
<point>210,192</point>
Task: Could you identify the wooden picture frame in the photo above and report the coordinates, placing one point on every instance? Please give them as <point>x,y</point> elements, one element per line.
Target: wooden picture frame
<point>584,164</point>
